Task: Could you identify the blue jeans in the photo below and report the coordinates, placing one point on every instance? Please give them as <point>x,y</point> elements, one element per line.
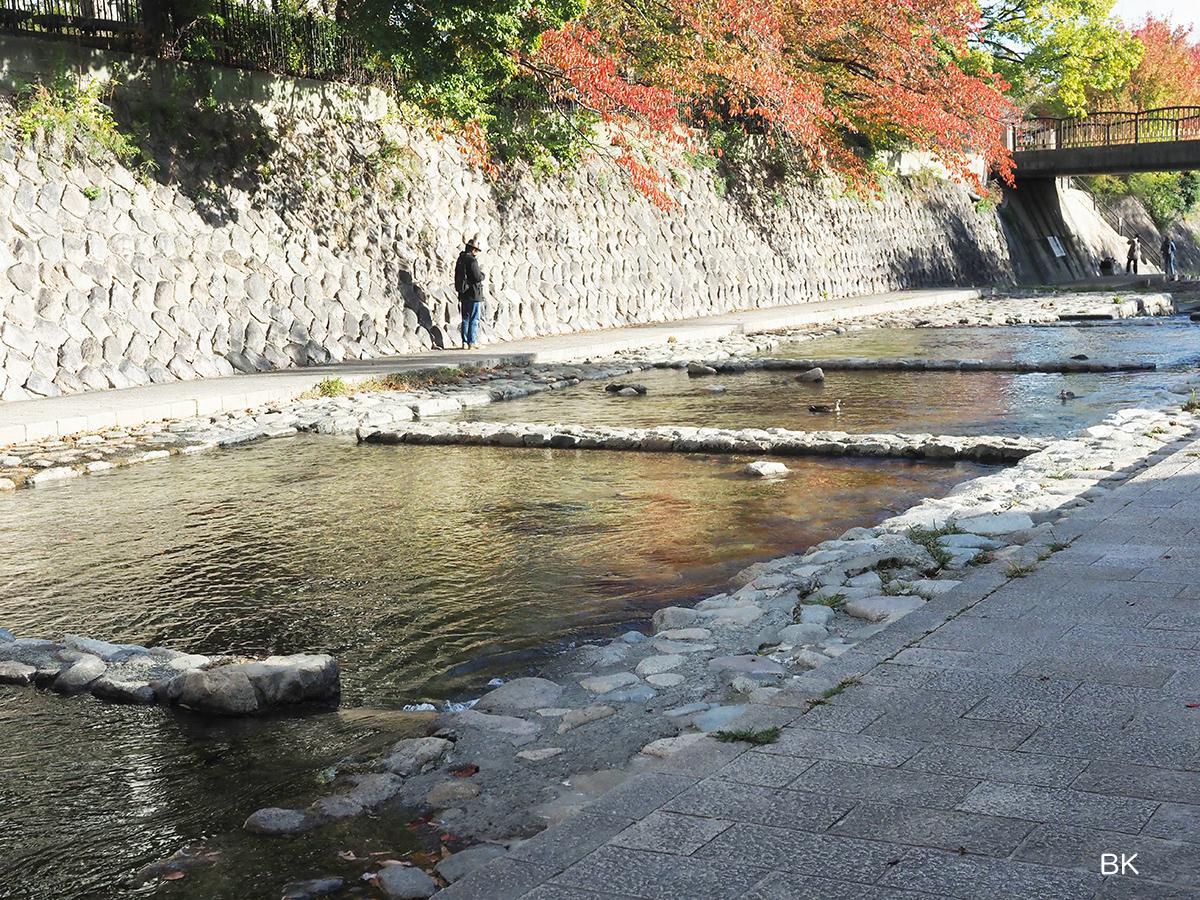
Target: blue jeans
<point>470,320</point>
<point>1169,266</point>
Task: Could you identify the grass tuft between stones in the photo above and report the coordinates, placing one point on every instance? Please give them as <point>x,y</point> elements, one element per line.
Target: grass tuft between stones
<point>748,735</point>
<point>396,381</point>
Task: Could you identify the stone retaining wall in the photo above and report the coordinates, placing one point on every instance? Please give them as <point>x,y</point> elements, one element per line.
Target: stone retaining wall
<point>289,240</point>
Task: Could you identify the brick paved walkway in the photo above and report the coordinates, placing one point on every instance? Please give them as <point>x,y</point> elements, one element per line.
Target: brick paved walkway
<point>997,748</point>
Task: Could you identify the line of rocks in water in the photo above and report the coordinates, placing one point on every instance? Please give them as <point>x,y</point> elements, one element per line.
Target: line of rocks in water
<point>886,364</point>
<point>43,462</point>
<point>683,439</point>
<point>540,749</point>
<point>130,673</point>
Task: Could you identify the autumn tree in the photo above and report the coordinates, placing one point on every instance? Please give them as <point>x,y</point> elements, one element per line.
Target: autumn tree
<point>1056,54</point>
<point>1168,73</point>
<point>825,80</point>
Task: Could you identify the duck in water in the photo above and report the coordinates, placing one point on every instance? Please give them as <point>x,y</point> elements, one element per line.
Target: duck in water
<point>1064,396</point>
<point>834,407</point>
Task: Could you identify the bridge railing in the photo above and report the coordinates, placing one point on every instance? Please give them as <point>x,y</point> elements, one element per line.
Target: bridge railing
<point>1104,129</point>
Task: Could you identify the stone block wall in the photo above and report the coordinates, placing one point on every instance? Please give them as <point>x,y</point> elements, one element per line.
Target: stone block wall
<point>334,238</point>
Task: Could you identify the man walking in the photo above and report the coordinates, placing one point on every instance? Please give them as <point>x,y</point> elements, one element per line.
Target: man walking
<point>468,282</point>
<point>1134,254</point>
<point>1168,257</point>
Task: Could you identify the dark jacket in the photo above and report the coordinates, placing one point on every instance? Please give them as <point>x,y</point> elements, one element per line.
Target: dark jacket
<point>468,278</point>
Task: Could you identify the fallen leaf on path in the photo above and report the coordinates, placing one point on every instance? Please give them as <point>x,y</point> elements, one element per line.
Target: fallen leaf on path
<point>174,876</point>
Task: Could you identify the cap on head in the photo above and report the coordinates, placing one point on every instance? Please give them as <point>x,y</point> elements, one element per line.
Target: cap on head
<point>473,244</point>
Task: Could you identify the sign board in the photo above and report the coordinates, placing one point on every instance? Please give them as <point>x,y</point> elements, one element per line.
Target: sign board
<point>1056,245</point>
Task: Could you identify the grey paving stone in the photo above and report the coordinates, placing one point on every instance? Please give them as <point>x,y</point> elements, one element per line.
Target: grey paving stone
<point>944,729</point>
<point>884,784</point>
<point>997,765</point>
<point>1038,712</point>
<point>890,674</point>
<point>1077,666</point>
<point>665,832</point>
<point>759,805</point>
<point>944,829</point>
<point>560,845</point>
<point>1187,620</point>
<point>1116,696</point>
<point>1130,888</point>
<point>1125,635</point>
<point>959,659</point>
<point>846,719</point>
<point>988,684</point>
<point>501,879</point>
<point>1060,805</point>
<point>1184,684</point>
<point>866,749</point>
<point>561,892</point>
<point>1081,848</point>
<point>659,877</point>
<point>970,878</point>
<point>1167,747</point>
<point>780,886</point>
<point>763,769</point>
<point>1176,822</point>
<point>1128,780</point>
<point>640,795</point>
<point>916,702</point>
<point>809,854</point>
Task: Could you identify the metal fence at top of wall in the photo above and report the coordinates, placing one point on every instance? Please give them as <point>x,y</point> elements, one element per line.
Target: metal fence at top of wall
<point>1104,129</point>
<point>238,34</point>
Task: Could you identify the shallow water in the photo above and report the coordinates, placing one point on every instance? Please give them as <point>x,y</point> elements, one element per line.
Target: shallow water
<point>897,401</point>
<point>1168,342</point>
<point>425,570</point>
<point>912,402</point>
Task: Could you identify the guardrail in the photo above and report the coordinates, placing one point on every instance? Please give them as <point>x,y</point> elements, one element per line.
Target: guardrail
<point>1105,129</point>
<point>235,34</point>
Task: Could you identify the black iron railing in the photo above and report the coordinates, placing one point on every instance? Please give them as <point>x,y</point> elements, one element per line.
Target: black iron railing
<point>231,33</point>
<point>1103,129</point>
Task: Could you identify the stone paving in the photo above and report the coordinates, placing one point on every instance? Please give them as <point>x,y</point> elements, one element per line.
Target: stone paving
<point>1013,739</point>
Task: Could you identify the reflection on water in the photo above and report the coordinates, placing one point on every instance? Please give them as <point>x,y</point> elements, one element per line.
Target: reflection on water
<point>935,402</point>
<point>90,793</point>
<point>424,570</point>
<point>1170,341</point>
<point>413,565</point>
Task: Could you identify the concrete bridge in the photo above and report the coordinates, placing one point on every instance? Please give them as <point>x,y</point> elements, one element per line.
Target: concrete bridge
<point>1156,140</point>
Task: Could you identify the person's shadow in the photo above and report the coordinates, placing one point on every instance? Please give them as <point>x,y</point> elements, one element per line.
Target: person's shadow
<point>417,300</point>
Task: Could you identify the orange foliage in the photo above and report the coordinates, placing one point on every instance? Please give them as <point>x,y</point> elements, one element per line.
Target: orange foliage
<point>1169,73</point>
<point>818,77</point>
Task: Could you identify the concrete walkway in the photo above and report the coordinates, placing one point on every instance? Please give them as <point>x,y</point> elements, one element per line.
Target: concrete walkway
<point>1014,738</point>
<point>32,420</point>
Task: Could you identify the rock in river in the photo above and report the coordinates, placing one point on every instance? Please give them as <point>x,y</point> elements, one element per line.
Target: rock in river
<point>521,693</point>
<point>405,883</point>
<point>763,468</point>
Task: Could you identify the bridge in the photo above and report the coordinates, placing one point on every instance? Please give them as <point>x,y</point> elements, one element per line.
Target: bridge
<point>1155,140</point>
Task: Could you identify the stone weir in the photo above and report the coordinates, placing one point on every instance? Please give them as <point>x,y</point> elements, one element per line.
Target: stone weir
<point>129,673</point>
<point>890,364</point>
<point>680,439</point>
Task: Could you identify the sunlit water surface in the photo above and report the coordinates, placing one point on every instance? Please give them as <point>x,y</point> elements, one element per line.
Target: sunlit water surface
<point>426,571</point>
<point>936,402</point>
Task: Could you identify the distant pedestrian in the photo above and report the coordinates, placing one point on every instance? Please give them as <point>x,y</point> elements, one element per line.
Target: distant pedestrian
<point>1168,257</point>
<point>1134,254</point>
<point>468,282</point>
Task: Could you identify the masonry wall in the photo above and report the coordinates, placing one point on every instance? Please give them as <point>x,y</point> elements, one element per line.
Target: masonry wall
<point>308,227</point>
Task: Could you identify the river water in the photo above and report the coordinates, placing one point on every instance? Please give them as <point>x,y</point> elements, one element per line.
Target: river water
<point>426,571</point>
<point>896,401</point>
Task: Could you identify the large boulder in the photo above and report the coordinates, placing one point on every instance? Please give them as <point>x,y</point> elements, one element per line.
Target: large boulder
<point>251,688</point>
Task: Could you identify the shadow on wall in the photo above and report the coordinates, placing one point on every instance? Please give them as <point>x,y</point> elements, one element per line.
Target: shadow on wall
<point>225,158</point>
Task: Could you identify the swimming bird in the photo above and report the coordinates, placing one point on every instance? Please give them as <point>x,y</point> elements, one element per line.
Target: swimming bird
<point>1067,395</point>
<point>834,407</point>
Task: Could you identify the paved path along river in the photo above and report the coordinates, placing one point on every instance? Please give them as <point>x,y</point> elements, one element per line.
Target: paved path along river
<point>1019,737</point>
